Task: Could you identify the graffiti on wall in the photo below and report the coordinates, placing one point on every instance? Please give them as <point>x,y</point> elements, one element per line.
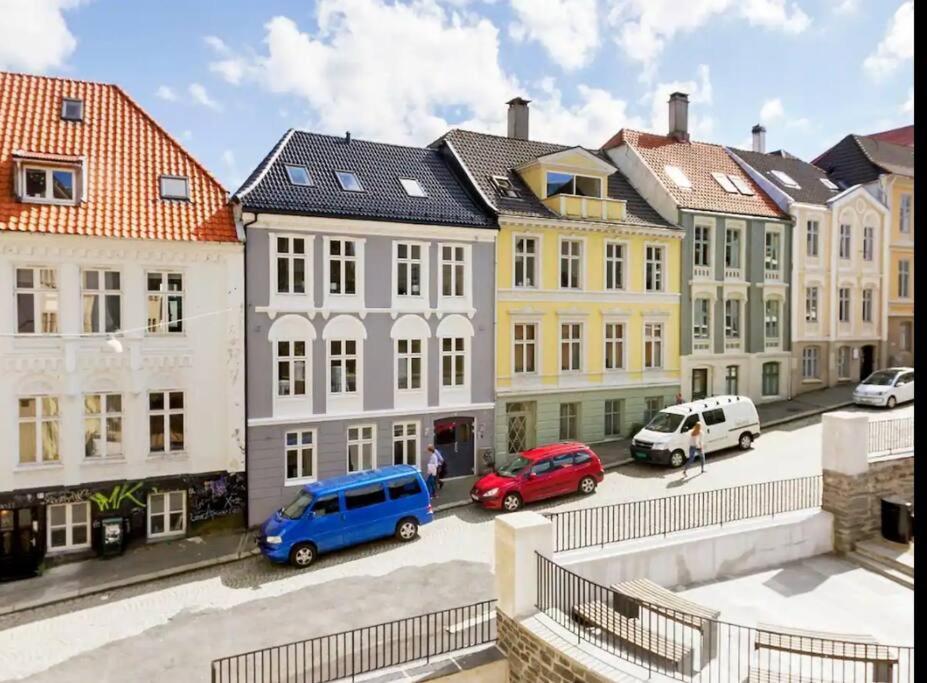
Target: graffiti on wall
<point>224,495</point>
<point>59,497</point>
<point>119,494</point>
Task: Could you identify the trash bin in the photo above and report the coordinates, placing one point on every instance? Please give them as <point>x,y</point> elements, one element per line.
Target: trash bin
<point>112,536</point>
<point>896,520</point>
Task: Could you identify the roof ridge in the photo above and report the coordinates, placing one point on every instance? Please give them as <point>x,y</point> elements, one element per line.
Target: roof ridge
<point>269,160</point>
<point>506,137</point>
<point>4,72</point>
<point>675,141</point>
<point>425,148</point>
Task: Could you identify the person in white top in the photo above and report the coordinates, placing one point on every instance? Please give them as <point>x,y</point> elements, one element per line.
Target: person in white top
<point>695,446</point>
<point>434,463</point>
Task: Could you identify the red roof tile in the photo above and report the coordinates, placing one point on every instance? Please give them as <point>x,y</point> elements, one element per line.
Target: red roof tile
<point>698,160</point>
<point>124,151</point>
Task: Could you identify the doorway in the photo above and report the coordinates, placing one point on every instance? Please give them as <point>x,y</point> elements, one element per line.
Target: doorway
<point>454,438</point>
<point>699,383</point>
<point>866,361</point>
<point>21,543</point>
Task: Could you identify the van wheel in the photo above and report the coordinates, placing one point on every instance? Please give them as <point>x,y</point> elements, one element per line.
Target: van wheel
<point>677,458</point>
<point>406,530</point>
<point>587,485</point>
<point>511,502</point>
<point>745,441</point>
<point>890,403</point>
<point>303,554</point>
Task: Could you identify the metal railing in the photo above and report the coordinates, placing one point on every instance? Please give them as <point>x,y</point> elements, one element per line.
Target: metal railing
<point>895,435</point>
<point>598,526</point>
<point>692,648</point>
<point>352,653</point>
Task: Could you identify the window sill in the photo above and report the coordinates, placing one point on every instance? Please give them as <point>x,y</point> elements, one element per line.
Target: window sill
<point>299,482</point>
<point>102,460</point>
<point>812,381</point>
<point>173,535</point>
<point>69,550</point>
<point>170,455</point>
<point>38,467</point>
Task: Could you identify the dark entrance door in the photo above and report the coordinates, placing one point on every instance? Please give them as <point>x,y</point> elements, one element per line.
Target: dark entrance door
<point>21,546</point>
<point>866,362</point>
<point>699,383</point>
<point>454,438</point>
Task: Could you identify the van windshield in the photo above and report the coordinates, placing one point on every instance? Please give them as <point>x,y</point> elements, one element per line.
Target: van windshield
<point>296,509</point>
<point>513,466</point>
<point>881,378</point>
<point>665,422</point>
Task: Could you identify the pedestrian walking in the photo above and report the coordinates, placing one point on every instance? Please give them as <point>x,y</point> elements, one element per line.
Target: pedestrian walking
<point>679,399</point>
<point>435,460</point>
<point>695,446</point>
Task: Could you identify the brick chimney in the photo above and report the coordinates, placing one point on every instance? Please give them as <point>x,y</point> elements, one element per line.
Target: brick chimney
<point>759,138</point>
<point>518,118</point>
<point>679,116</point>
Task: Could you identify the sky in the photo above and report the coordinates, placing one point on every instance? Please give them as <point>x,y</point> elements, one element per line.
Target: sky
<point>228,77</point>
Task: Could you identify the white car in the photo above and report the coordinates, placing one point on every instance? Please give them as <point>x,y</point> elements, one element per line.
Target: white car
<point>886,388</point>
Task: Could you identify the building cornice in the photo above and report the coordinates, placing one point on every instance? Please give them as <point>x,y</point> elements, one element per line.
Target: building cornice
<point>590,226</point>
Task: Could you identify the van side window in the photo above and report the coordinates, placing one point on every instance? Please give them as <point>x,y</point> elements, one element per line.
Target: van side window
<point>689,423</point>
<point>564,460</point>
<point>581,457</point>
<point>364,497</point>
<point>713,417</point>
<point>326,505</point>
<point>401,488</point>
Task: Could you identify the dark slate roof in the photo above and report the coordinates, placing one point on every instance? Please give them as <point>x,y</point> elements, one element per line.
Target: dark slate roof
<point>808,176</point>
<point>858,159</point>
<point>887,155</point>
<point>378,166</point>
<point>486,155</point>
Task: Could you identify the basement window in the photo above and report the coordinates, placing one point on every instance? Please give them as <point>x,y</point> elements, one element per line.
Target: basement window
<point>174,187</point>
<point>505,187</point>
<point>72,109</point>
<point>677,176</point>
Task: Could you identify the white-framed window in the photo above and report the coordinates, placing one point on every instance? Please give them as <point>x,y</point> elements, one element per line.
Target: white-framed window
<point>732,318</point>
<point>165,303</point>
<point>732,243</point>
<point>771,378</point>
<point>843,304</point>
<point>701,319</point>
<point>167,514</point>
<point>569,421</point>
<point>904,278</point>
<point>405,443</point>
<point>526,255</point>
<point>614,408</point>
<point>810,362</point>
<point>905,335</point>
<point>103,426</point>
<point>68,526</point>
<point>300,456</point>
<point>524,337</point>
<point>771,319</point>
<point>453,362</point>
<point>453,270</point>
<point>773,252</point>
<point>292,260</point>
<point>867,305</point>
<point>868,243</point>
<point>653,345</point>
<point>174,187</point>
<point>702,245</point>
<point>569,183</point>
<point>362,447</point>
<point>412,187</point>
<point>102,300</point>
<point>38,430</point>
<point>408,364</point>
<point>844,241</point>
<point>36,300</point>
<point>342,366</point>
<point>843,362</point>
<point>652,406</point>
<point>904,212</point>
<point>653,268</point>
<point>614,265</point>
<point>49,185</point>
<point>342,266</point>
<point>298,175</point>
<point>505,187</point>
<point>811,304</point>
<point>812,238</point>
<point>571,347</point>
<point>292,365</point>
<point>731,380</point>
<point>614,346</point>
<point>410,269</point>
<point>165,421</point>
<point>571,264</point>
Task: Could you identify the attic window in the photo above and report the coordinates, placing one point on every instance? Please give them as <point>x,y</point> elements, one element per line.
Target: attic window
<point>72,109</point>
<point>724,181</point>
<point>567,183</point>
<point>741,185</point>
<point>505,187</point>
<point>349,181</point>
<point>412,187</point>
<point>174,187</point>
<point>299,175</point>
<point>785,179</point>
<point>677,176</point>
<point>52,185</point>
<point>828,184</point>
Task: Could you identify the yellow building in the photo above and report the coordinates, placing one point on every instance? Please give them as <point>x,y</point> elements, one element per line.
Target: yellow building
<point>587,291</point>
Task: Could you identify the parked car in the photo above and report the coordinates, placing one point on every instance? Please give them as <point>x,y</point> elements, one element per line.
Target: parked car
<point>543,472</point>
<point>886,388</point>
<point>727,421</point>
<point>344,511</point>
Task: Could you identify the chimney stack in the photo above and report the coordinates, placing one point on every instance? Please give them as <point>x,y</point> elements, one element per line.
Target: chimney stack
<point>679,116</point>
<point>518,118</point>
<point>759,138</point>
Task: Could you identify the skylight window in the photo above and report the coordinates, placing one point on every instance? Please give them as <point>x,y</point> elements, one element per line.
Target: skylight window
<point>677,176</point>
<point>299,175</point>
<point>349,181</point>
<point>505,187</point>
<point>412,187</point>
<point>828,184</point>
<point>174,187</point>
<point>741,185</point>
<point>785,179</point>
<point>72,109</point>
<point>724,182</point>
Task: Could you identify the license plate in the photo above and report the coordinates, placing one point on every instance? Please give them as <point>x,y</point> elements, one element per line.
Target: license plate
<point>639,455</point>
<point>475,497</point>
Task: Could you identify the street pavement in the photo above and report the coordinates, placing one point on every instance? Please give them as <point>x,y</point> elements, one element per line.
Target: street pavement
<point>170,629</point>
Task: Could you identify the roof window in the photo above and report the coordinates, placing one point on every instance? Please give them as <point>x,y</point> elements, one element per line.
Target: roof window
<point>785,179</point>
<point>299,175</point>
<point>349,181</point>
<point>828,184</point>
<point>412,187</point>
<point>677,176</point>
<point>724,181</point>
<point>505,187</point>
<point>72,109</point>
<point>741,185</point>
<point>174,187</point>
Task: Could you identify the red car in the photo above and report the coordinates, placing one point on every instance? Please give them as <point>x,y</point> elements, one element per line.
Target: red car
<point>544,472</point>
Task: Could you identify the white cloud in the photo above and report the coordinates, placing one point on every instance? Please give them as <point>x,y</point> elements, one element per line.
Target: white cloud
<point>166,93</point>
<point>644,27</point>
<point>200,96</point>
<point>845,6</point>
<point>567,29</point>
<point>908,106</point>
<point>228,158</point>
<point>34,35</point>
<point>701,124</point>
<point>897,45</point>
<point>187,135</point>
<point>589,122</point>
<point>771,111</point>
<point>217,44</point>
<point>232,70</point>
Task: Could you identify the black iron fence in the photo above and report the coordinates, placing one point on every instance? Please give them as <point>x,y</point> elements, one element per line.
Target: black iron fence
<point>689,647</point>
<point>895,435</point>
<point>659,516</point>
<point>352,653</point>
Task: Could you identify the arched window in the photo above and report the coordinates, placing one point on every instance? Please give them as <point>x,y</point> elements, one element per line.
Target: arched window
<point>291,338</point>
<point>344,337</point>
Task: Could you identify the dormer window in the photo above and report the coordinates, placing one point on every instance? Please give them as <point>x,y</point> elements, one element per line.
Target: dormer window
<point>299,175</point>
<point>785,179</point>
<point>72,109</point>
<point>677,176</point>
<point>55,185</point>
<point>568,183</point>
<point>349,181</point>
<point>175,187</point>
<point>505,187</point>
<point>412,187</point>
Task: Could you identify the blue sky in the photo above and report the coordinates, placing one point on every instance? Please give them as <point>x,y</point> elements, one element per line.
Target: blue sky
<point>228,77</point>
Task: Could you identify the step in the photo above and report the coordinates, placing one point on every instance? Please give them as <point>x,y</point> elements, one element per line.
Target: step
<point>881,568</point>
<point>895,555</point>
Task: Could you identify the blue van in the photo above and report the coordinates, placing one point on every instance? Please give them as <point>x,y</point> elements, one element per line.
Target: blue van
<point>345,511</point>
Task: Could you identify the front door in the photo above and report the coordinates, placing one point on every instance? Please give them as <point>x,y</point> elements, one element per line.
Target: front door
<point>699,383</point>
<point>21,543</point>
<point>866,362</point>
<point>454,439</point>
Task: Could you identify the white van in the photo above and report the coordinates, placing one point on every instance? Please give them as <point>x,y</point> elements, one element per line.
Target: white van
<point>727,421</point>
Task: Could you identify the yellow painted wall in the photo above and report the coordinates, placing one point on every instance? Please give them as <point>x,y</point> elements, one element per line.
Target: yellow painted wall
<point>901,246</point>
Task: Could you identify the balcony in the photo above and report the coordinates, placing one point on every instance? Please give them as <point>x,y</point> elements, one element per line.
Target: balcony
<point>595,208</point>
<point>701,345</point>
<point>731,273</point>
<point>732,344</point>
<point>772,343</point>
<point>701,272</point>
<point>773,276</point>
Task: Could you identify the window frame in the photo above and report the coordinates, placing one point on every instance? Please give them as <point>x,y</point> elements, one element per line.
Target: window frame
<point>291,257</point>
<point>421,194</point>
<point>65,101</point>
<point>845,242</point>
<point>731,316</point>
<point>572,418</point>
<point>904,279</point>
<point>777,303</point>
<point>40,419</point>
<point>617,344</point>
<point>811,363</point>
<point>41,294</point>
<point>612,418</point>
<point>525,258</point>
<point>866,299</point>
<point>341,181</point>
<point>868,243</point>
<point>844,305</point>
<point>657,342</point>
<point>812,304</point>
<point>185,197</point>
<point>812,237</point>
<point>166,413</point>
<point>75,172</point>
<point>778,242</point>
<point>361,441</point>
<point>768,377</point>
<point>407,358</point>
<point>104,416</point>
<point>732,377</point>
<point>657,265</point>
<point>905,211</point>
<point>405,438</point>
<point>68,526</point>
<point>342,260</point>
<point>455,355</point>
<point>168,510</point>
<point>289,176</point>
<point>102,293</point>
<point>577,343</point>
<point>422,261</point>
<point>702,246</point>
<point>572,260</point>
<point>298,448</point>
<point>737,229</point>
<point>342,359</point>
<point>465,265</point>
<point>164,296</point>
<point>701,330</point>
<point>573,178</point>
<point>616,263</point>
<point>520,347</point>
<point>292,359</point>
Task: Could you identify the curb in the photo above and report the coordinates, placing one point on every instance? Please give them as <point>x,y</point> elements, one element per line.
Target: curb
<point>807,413</point>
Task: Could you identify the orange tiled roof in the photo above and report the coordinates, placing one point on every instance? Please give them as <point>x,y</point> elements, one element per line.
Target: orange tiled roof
<point>697,160</point>
<point>125,152</point>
